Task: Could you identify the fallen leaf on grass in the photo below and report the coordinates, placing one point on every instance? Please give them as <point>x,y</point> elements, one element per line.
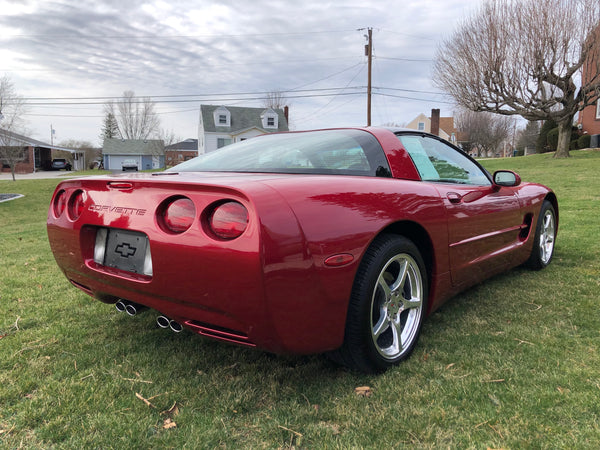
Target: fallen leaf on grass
<point>168,423</point>
<point>363,391</point>
<point>172,411</point>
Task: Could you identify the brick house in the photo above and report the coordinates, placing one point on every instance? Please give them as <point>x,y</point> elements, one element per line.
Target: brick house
<point>589,118</point>
<point>36,155</point>
<point>181,151</point>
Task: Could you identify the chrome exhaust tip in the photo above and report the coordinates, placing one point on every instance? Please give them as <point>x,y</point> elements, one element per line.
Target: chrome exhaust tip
<point>121,306</point>
<point>163,321</point>
<point>133,308</point>
<point>175,326</point>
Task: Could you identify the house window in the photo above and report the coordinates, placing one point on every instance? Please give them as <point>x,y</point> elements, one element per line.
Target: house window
<point>421,126</point>
<point>270,121</point>
<point>222,119</point>
<point>222,142</point>
<point>598,109</point>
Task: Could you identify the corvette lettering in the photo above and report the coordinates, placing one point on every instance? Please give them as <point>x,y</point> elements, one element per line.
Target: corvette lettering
<point>118,210</point>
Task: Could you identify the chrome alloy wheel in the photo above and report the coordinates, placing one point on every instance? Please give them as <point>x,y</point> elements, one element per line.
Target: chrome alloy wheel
<point>396,306</point>
<point>547,234</point>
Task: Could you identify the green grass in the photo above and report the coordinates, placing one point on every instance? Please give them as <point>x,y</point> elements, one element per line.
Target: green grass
<point>512,363</point>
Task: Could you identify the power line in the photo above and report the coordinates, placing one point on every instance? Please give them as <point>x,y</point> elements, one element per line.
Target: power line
<point>175,36</point>
<point>143,97</point>
<point>413,98</point>
<point>194,100</point>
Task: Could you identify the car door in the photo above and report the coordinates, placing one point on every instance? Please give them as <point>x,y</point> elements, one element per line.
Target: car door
<point>484,220</point>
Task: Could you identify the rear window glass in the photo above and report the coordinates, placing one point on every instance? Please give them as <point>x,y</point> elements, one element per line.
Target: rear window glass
<point>343,152</point>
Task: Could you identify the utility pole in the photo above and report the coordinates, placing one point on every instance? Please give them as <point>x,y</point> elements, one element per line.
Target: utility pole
<point>369,55</point>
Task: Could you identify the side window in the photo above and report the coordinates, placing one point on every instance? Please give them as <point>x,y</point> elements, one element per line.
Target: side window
<point>441,163</point>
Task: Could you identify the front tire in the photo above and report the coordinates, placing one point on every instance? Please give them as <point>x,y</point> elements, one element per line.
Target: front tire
<point>544,239</point>
<point>387,306</point>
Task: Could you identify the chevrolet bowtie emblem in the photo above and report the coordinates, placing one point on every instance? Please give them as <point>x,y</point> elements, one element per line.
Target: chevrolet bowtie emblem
<point>125,250</point>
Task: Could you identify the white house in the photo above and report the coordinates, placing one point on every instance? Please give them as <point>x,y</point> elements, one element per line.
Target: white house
<point>223,125</point>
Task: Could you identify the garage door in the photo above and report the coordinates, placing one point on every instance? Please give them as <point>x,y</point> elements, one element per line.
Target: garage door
<point>115,161</point>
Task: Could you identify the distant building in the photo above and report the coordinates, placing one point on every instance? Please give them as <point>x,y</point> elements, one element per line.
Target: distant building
<point>37,155</point>
<point>181,151</point>
<point>589,118</point>
<point>440,126</point>
<point>223,125</point>
<point>147,153</point>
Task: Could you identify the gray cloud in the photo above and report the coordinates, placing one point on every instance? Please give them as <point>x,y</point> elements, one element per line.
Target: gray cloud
<point>80,49</point>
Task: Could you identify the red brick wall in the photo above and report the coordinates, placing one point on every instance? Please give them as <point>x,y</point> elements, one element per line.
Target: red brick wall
<point>172,158</point>
<point>25,166</point>
<point>588,120</point>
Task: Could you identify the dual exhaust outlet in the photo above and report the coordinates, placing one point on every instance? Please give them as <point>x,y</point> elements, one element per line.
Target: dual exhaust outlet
<point>132,309</point>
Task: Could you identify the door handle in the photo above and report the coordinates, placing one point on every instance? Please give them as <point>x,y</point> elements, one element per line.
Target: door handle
<point>454,197</point>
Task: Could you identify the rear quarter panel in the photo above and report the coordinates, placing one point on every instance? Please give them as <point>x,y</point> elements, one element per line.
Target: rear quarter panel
<point>336,215</point>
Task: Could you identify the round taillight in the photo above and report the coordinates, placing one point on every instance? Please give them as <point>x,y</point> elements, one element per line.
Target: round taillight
<point>179,215</point>
<point>60,201</point>
<point>76,204</point>
<point>228,220</point>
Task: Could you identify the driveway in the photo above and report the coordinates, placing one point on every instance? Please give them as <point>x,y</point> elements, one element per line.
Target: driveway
<point>39,175</point>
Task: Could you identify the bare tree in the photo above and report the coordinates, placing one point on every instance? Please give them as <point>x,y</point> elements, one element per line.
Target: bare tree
<point>12,109</point>
<point>135,116</point>
<point>276,100</point>
<point>527,137</point>
<point>486,131</point>
<point>92,154</point>
<point>163,139</point>
<point>524,57</point>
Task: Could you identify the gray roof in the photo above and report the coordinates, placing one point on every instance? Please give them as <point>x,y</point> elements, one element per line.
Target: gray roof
<point>10,138</point>
<point>132,146</point>
<point>241,119</point>
<point>187,145</point>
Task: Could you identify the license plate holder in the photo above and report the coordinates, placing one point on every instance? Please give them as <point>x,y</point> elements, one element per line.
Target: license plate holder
<point>126,250</point>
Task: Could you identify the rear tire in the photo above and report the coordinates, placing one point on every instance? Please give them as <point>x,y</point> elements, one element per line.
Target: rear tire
<point>387,306</point>
<point>544,239</point>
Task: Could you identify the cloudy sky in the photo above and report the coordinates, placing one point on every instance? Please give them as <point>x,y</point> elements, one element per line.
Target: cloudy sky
<point>66,58</point>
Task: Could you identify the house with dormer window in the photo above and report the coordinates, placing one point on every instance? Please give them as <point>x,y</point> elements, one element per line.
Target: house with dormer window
<point>223,125</point>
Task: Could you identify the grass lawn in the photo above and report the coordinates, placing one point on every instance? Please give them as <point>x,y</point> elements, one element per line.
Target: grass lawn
<point>511,363</point>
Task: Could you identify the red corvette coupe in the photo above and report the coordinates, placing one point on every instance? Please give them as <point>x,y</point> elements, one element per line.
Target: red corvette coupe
<point>337,241</point>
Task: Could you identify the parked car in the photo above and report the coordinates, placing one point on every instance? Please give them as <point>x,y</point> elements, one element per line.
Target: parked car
<point>60,163</point>
<point>129,164</point>
<point>337,241</point>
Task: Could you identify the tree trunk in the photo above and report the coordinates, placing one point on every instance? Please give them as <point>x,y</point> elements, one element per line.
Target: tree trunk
<point>12,171</point>
<point>564,139</point>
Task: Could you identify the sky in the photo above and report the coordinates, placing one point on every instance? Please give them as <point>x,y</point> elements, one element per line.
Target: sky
<point>67,58</point>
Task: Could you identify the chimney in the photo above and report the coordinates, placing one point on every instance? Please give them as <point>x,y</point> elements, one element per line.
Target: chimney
<point>435,122</point>
<point>286,113</point>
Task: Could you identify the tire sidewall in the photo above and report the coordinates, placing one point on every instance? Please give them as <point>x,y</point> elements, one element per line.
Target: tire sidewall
<point>383,249</point>
<point>536,261</point>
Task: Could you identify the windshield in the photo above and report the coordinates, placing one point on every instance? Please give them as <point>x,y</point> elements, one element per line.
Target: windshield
<point>343,152</point>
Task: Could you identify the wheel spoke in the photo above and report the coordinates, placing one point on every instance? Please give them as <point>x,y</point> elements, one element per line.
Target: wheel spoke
<point>398,283</point>
<point>382,325</point>
<point>413,302</point>
<point>384,286</point>
<point>396,346</point>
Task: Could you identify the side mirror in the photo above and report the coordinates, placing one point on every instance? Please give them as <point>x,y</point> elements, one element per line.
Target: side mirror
<point>506,178</point>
